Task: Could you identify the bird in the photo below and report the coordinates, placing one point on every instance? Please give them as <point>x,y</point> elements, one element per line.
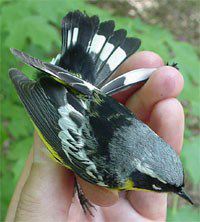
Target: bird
<point>71,105</point>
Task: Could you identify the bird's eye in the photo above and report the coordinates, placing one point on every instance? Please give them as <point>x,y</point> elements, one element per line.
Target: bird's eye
<point>156,187</point>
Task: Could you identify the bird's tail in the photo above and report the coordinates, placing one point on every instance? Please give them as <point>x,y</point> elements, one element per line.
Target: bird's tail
<point>92,49</point>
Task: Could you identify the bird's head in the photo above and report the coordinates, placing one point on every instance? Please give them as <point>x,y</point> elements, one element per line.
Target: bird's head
<point>153,164</point>
<point>157,184</point>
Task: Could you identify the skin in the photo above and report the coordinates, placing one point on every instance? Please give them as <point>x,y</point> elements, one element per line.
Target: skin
<point>45,189</point>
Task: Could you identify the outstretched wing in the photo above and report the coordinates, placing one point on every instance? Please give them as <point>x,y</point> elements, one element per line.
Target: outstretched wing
<point>92,49</point>
<point>60,117</point>
<point>57,72</point>
<point>112,87</point>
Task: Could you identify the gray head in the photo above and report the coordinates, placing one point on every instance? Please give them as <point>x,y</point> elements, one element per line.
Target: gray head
<point>157,166</point>
<point>153,163</point>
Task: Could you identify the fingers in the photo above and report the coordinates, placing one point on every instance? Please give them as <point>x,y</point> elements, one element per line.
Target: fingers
<point>98,195</point>
<point>16,196</point>
<point>166,82</point>
<point>122,211</point>
<point>48,191</point>
<point>144,59</point>
<point>167,119</point>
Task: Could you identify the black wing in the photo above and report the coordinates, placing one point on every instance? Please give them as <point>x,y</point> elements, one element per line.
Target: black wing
<point>112,87</point>
<point>93,49</point>
<point>59,116</point>
<point>57,72</point>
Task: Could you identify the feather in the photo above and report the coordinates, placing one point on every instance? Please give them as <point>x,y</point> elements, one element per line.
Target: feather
<point>55,71</point>
<point>92,49</point>
<point>60,116</point>
<point>127,80</point>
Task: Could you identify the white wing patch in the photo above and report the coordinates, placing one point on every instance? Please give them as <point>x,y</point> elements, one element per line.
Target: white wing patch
<point>67,125</point>
<point>73,141</point>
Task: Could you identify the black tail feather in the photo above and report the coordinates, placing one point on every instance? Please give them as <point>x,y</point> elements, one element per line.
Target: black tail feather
<point>92,49</point>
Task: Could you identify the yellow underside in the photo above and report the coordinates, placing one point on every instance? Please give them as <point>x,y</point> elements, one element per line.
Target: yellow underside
<point>129,184</point>
<point>53,154</point>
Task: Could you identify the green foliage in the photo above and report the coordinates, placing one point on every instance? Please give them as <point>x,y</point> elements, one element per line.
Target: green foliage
<point>34,27</point>
<point>184,214</point>
<point>191,158</point>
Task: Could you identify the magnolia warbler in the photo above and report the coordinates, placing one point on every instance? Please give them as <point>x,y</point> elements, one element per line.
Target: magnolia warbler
<point>82,126</point>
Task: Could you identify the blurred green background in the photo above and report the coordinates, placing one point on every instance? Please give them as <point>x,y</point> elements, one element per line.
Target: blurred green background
<point>34,27</point>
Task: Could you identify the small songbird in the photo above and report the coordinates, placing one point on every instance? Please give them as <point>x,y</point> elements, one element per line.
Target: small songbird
<point>82,126</point>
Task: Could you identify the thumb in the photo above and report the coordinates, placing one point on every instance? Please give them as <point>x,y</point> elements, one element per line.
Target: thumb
<point>48,191</point>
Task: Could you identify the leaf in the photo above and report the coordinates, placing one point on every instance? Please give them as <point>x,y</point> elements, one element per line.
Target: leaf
<point>7,185</point>
<point>12,111</point>
<point>191,158</point>
<point>184,214</point>
<point>25,128</point>
<point>37,30</point>
<point>196,108</point>
<point>3,135</point>
<point>19,150</point>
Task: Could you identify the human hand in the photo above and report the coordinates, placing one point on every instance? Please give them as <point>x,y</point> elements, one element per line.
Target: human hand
<point>45,190</point>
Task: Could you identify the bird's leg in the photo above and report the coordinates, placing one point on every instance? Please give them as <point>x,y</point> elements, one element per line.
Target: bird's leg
<point>85,203</point>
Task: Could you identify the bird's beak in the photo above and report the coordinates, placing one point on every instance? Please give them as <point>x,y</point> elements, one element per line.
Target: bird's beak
<point>182,194</point>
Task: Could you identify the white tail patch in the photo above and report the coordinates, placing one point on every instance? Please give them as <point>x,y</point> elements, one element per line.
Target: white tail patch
<point>69,37</point>
<point>75,36</point>
<point>108,48</point>
<point>97,43</point>
<point>116,58</point>
<point>138,75</point>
